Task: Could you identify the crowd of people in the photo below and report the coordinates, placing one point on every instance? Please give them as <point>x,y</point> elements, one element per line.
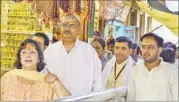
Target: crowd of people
<point>70,67</point>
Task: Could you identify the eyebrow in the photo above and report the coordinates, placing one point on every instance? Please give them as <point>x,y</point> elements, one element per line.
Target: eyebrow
<point>147,45</point>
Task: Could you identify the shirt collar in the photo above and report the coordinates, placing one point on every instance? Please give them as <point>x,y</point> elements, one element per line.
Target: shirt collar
<point>159,66</point>
<point>76,43</point>
<point>123,63</point>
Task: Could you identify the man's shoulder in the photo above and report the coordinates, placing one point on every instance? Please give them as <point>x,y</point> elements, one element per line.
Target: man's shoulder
<point>55,44</point>
<point>137,67</point>
<point>84,44</point>
<point>169,67</point>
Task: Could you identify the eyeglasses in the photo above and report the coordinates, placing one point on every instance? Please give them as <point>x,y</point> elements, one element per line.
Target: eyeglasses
<point>64,25</point>
<point>28,52</point>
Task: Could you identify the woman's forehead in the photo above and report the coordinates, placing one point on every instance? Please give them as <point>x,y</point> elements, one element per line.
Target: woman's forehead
<point>29,46</point>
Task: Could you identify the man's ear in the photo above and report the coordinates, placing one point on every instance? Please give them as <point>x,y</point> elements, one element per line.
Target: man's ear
<point>130,51</point>
<point>160,50</point>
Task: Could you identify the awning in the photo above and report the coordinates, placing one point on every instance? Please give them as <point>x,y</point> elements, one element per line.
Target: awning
<point>166,18</point>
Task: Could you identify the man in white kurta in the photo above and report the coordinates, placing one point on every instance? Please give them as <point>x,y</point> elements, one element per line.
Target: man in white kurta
<point>159,84</point>
<point>153,79</point>
<point>108,73</point>
<point>120,60</point>
<point>79,68</point>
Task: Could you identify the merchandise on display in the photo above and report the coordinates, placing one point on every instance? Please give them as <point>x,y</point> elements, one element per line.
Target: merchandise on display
<point>18,23</point>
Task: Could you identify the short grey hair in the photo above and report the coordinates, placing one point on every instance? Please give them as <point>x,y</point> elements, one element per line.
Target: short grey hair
<point>72,16</point>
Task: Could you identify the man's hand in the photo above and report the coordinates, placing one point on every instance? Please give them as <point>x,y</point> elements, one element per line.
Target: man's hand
<point>50,78</point>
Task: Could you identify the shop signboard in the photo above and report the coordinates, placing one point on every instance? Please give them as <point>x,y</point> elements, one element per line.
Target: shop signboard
<point>116,9</point>
<point>127,31</point>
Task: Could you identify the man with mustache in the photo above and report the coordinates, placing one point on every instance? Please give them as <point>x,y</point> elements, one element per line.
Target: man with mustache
<point>75,62</point>
<point>153,79</point>
<point>116,71</point>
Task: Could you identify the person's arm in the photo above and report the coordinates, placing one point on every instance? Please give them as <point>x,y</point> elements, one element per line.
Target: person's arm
<point>174,85</point>
<point>59,90</point>
<point>131,91</point>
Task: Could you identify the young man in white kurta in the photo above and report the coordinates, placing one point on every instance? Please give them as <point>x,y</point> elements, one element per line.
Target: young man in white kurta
<point>159,84</point>
<point>121,58</point>
<point>79,68</point>
<point>153,79</point>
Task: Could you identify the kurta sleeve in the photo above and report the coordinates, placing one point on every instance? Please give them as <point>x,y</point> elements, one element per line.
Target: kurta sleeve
<point>131,91</point>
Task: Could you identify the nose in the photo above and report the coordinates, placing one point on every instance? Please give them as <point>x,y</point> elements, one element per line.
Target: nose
<point>145,50</point>
<point>28,54</point>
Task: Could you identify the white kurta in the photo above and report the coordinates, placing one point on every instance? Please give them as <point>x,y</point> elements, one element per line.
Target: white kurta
<point>79,70</point>
<point>159,84</point>
<point>108,69</point>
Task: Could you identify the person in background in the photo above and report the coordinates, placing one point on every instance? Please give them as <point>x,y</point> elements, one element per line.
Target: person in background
<point>76,63</point>
<point>54,39</point>
<point>42,39</point>
<point>170,45</point>
<point>99,46</point>
<point>116,71</point>
<point>166,44</point>
<point>177,56</point>
<point>25,82</point>
<point>110,45</point>
<point>134,53</point>
<point>168,55</point>
<point>97,34</point>
<point>154,79</point>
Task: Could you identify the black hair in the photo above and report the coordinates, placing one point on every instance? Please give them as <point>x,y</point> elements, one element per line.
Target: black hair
<point>101,41</point>
<point>168,55</point>
<point>134,46</point>
<point>170,45</point>
<point>138,50</point>
<point>54,39</point>
<point>97,33</point>
<point>124,39</point>
<point>110,42</point>
<point>40,65</point>
<point>158,39</point>
<point>173,46</point>
<point>166,44</point>
<point>44,36</point>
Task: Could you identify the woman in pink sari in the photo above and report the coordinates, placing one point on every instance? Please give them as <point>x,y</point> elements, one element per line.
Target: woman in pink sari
<point>25,83</point>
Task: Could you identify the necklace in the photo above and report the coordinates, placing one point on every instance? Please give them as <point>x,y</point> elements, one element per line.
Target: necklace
<point>116,77</point>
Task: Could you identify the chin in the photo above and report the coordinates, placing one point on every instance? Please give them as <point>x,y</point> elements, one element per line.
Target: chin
<point>149,61</point>
<point>29,68</point>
